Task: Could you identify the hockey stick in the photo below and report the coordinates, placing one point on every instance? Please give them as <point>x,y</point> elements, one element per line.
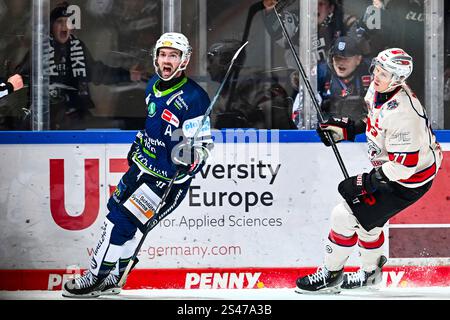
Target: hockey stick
<point>310,91</point>
<point>216,96</point>
<point>158,217</point>
<point>252,11</point>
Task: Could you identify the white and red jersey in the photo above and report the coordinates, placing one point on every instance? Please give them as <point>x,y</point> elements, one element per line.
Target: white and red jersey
<point>400,139</point>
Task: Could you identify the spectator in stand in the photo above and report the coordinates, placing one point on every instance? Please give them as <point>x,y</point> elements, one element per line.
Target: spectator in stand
<point>330,26</point>
<point>399,23</point>
<point>72,68</point>
<point>259,100</point>
<point>343,80</point>
<point>13,83</point>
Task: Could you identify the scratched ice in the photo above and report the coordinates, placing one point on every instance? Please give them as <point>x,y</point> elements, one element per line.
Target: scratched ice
<point>418,293</point>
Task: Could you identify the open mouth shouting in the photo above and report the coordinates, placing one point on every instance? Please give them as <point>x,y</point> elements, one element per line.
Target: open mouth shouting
<point>166,71</point>
<point>341,69</point>
<point>63,34</point>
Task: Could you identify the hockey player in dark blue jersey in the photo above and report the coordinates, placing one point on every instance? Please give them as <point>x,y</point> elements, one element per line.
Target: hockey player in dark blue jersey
<point>175,108</point>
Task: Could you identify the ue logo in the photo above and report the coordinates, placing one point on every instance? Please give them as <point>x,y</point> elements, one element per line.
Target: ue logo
<point>91,209</point>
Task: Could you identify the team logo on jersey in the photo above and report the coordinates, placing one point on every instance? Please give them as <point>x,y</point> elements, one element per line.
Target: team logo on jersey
<point>151,109</point>
<point>391,105</point>
<point>170,118</point>
<point>373,150</point>
<point>345,92</point>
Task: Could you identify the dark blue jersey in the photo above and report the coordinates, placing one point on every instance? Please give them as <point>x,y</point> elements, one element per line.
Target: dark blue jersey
<point>171,115</point>
<point>343,97</point>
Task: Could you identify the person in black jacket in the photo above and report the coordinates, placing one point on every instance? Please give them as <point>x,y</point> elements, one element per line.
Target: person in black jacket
<point>330,25</point>
<point>13,114</point>
<point>14,83</point>
<point>72,68</point>
<point>400,23</point>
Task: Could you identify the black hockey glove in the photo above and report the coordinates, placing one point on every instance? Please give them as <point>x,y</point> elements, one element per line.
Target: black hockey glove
<point>189,158</point>
<point>339,128</point>
<point>362,184</point>
<point>134,147</point>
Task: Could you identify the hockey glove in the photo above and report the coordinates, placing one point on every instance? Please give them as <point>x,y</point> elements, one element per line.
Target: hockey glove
<point>362,184</point>
<point>134,147</point>
<point>339,128</point>
<point>189,158</point>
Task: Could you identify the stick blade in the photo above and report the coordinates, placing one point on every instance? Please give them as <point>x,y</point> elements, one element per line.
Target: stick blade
<point>124,277</point>
<point>239,51</point>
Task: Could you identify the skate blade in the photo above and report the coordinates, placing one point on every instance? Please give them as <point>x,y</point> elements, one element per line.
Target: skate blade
<point>371,288</point>
<point>110,292</point>
<point>93,294</point>
<point>331,290</point>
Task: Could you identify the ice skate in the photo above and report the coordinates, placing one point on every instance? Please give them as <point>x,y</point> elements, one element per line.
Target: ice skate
<point>363,279</point>
<point>323,281</point>
<point>111,285</point>
<point>86,286</point>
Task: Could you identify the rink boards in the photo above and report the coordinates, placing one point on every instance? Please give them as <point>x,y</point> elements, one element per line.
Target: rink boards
<point>256,216</point>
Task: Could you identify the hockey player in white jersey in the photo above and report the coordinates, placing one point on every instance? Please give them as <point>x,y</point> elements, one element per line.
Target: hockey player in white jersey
<point>405,157</point>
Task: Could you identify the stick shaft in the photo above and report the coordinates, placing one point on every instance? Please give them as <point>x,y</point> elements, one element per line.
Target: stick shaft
<point>311,92</point>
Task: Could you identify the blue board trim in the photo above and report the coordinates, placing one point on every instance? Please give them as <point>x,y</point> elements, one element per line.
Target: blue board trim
<point>127,136</point>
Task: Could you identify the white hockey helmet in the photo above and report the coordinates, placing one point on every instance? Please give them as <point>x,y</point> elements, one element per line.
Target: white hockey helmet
<point>176,41</point>
<point>395,61</point>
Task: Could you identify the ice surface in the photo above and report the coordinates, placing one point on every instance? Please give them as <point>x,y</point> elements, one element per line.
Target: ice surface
<point>417,293</point>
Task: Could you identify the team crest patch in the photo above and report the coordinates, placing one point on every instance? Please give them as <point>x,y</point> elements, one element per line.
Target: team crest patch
<point>391,105</point>
<point>373,150</point>
<point>151,109</point>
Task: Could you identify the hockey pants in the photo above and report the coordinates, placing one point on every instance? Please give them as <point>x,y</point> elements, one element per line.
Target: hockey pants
<point>362,223</point>
<point>122,230</point>
<point>345,234</point>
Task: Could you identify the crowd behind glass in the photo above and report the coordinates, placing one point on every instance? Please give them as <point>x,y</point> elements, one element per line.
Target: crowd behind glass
<point>115,38</point>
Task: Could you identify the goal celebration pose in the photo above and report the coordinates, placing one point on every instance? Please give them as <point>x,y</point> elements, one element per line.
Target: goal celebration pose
<point>169,144</point>
<point>405,157</point>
